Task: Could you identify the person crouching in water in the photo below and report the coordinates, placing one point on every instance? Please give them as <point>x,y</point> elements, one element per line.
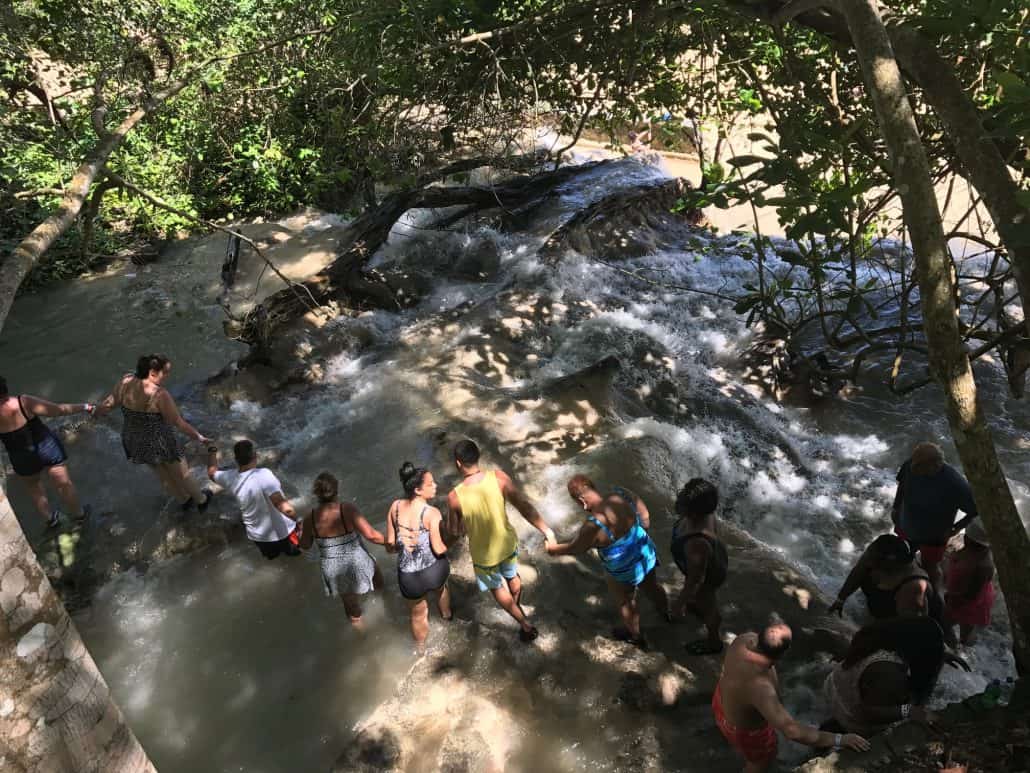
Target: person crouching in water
<point>268,516</point>
<point>702,557</point>
<point>888,674</point>
<point>747,706</point>
<point>970,594</point>
<point>413,532</point>
<point>348,570</point>
<point>617,527</point>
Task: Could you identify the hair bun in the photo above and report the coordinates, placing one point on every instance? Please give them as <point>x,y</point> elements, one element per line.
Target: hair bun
<point>406,471</point>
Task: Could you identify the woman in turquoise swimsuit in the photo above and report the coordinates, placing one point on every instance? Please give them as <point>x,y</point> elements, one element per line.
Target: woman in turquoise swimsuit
<point>617,527</point>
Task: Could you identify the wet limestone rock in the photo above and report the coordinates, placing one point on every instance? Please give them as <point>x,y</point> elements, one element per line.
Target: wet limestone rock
<point>435,722</point>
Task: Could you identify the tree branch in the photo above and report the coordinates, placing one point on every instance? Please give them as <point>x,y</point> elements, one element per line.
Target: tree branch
<point>795,8</point>
<point>313,306</point>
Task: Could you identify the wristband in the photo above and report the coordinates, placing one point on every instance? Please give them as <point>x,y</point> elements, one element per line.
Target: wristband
<point>838,741</point>
<point>212,449</point>
<point>906,710</point>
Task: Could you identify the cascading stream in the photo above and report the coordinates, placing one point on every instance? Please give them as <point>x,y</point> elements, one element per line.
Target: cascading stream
<point>224,662</point>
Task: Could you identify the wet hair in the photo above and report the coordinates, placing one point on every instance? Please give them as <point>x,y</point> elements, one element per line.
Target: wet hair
<point>244,452</point>
<point>411,478</point>
<point>698,498</point>
<point>326,488</point>
<point>578,484</point>
<point>919,641</point>
<point>632,136</point>
<point>3,387</point>
<point>149,362</point>
<point>927,459</point>
<point>774,640</point>
<point>891,549</point>
<point>466,452</point>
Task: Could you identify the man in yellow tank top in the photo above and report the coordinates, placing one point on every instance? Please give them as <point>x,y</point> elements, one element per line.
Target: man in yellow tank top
<point>477,508</point>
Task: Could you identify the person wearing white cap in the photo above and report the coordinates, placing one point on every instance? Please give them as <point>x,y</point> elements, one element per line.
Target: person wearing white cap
<point>970,590</point>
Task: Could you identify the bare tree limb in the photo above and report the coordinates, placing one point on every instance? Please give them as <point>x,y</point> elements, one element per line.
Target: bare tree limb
<point>310,301</point>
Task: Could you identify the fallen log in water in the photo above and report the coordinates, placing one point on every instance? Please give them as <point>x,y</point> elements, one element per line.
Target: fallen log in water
<point>346,280</point>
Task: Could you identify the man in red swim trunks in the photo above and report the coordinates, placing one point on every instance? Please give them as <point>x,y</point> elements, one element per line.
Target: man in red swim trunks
<point>747,704</point>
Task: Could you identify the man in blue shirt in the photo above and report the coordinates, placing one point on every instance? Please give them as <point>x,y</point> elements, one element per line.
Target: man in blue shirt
<point>930,494</point>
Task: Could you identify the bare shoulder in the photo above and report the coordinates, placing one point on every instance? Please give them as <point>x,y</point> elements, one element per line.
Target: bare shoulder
<point>503,478</point>
<point>432,514</point>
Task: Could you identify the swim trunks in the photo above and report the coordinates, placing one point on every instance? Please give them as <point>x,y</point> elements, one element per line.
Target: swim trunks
<point>758,745</point>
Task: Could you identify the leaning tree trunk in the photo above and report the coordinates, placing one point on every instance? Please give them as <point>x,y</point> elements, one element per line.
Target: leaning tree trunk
<point>949,361</point>
<point>32,247</point>
<point>982,162</point>
<point>56,711</point>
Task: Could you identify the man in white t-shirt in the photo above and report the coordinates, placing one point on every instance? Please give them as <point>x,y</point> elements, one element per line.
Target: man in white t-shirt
<point>270,519</point>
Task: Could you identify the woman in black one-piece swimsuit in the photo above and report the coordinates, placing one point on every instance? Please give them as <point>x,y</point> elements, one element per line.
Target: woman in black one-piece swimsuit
<point>35,450</point>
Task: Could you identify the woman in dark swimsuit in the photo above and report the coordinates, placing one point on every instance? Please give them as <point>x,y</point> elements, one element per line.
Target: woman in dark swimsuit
<point>892,581</point>
<point>147,435</point>
<point>35,450</point>
<point>702,557</point>
<point>413,532</point>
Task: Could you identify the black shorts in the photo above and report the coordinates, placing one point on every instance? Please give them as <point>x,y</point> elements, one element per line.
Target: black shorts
<point>415,585</point>
<point>282,547</point>
<point>48,452</point>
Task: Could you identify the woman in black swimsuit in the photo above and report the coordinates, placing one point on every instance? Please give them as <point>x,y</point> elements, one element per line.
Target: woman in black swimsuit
<point>893,583</point>
<point>35,450</point>
<point>147,435</point>
<point>702,557</point>
<point>413,532</point>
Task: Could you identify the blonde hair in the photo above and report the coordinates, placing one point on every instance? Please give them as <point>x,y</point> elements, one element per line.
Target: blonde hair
<point>927,459</point>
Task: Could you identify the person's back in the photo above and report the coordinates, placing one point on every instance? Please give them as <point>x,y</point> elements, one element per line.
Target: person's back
<point>252,489</point>
<point>477,506</point>
<point>492,538</point>
<point>747,706</point>
<point>930,503</point>
<point>740,680</point>
<point>12,418</point>
<point>348,570</point>
<point>619,516</point>
<point>139,395</point>
<point>269,518</point>
<point>703,559</point>
<point>332,519</point>
<point>415,522</point>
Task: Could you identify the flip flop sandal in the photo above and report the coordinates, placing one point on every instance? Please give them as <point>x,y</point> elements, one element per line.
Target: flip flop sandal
<point>703,647</point>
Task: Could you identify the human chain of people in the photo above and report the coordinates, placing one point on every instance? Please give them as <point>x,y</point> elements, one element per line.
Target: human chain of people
<point>915,597</point>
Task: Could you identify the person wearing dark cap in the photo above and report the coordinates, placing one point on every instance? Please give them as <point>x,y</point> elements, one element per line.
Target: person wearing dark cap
<point>970,594</point>
<point>892,581</point>
<point>930,493</point>
<point>747,705</point>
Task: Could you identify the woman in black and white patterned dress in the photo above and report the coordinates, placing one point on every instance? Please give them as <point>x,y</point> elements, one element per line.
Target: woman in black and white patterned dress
<point>148,434</point>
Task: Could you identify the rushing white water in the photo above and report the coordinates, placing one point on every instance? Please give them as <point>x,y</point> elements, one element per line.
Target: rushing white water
<point>225,662</point>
